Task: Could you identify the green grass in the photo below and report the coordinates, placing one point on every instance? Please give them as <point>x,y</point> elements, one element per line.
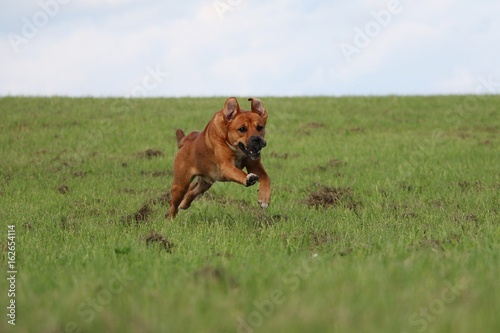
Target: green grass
<point>384,218</point>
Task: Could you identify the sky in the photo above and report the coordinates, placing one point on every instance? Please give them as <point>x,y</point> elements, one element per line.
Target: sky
<point>143,48</point>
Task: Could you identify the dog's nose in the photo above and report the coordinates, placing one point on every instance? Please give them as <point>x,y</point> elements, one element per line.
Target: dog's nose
<point>258,140</point>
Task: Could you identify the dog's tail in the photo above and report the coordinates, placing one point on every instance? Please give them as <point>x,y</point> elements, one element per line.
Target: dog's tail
<point>180,137</point>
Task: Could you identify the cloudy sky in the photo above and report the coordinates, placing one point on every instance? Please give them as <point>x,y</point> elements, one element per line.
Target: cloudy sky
<point>249,47</point>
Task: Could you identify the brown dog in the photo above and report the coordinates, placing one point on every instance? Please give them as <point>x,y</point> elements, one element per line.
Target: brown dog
<point>231,141</point>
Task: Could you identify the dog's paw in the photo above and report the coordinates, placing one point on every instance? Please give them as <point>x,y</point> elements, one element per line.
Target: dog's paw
<point>263,204</point>
<point>251,179</point>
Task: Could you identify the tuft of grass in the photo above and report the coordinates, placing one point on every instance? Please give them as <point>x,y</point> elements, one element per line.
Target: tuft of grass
<point>384,218</point>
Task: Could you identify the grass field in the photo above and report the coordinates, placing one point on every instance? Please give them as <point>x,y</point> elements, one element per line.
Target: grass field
<point>384,218</point>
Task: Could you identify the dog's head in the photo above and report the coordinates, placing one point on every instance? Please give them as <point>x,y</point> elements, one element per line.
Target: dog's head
<point>245,129</point>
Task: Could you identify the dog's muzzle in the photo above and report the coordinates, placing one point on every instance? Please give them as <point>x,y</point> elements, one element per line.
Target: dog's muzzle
<point>253,147</point>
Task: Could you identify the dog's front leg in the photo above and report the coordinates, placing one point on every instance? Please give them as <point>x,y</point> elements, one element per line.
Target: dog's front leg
<point>265,182</point>
<point>232,173</point>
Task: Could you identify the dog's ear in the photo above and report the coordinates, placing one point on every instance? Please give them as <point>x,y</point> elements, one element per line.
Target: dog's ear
<point>231,108</point>
<point>258,107</point>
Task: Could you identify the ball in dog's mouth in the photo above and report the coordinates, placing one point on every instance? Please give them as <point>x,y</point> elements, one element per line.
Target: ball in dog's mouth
<point>253,153</point>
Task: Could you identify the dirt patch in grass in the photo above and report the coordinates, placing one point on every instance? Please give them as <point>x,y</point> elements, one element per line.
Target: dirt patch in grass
<point>147,209</point>
<point>155,238</point>
<point>355,130</point>
<point>143,213</point>
<point>486,142</point>
<point>283,156</point>
<point>41,152</point>
<point>477,185</point>
<point>466,218</point>
<point>464,185</point>
<point>322,238</point>
<point>212,274</point>
<point>439,244</point>
<point>332,164</point>
<point>150,153</point>
<point>335,163</point>
<point>462,134</point>
<point>163,199</point>
<point>80,174</point>
<point>209,272</point>
<point>409,215</point>
<point>306,129</point>
<point>315,124</point>
<point>345,252</point>
<point>434,244</point>
<point>157,173</point>
<point>129,190</point>
<point>327,196</point>
<point>266,220</point>
<point>409,187</point>
<point>63,189</point>
<point>69,223</point>
<point>471,217</point>
<point>402,210</point>
<point>437,203</point>
<point>224,255</point>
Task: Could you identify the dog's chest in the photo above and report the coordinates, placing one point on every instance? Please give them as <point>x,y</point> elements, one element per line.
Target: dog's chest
<point>239,156</point>
<point>216,174</point>
<point>238,162</point>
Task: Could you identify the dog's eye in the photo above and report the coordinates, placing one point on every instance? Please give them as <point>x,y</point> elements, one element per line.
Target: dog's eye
<point>260,128</point>
<point>242,129</point>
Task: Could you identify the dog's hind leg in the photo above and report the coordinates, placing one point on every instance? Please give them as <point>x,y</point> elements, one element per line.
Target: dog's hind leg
<point>198,187</point>
<point>180,187</point>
